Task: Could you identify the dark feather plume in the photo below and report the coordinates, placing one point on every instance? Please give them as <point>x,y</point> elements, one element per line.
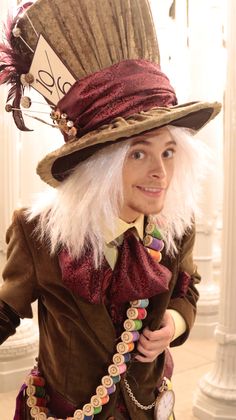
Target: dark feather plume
<point>14,62</point>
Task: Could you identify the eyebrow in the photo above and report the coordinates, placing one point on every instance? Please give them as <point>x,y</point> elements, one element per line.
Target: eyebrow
<point>148,143</point>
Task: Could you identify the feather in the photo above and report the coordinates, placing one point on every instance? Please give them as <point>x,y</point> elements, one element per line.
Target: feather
<point>13,63</point>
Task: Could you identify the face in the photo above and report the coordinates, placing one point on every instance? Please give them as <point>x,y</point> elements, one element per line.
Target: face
<point>147,173</point>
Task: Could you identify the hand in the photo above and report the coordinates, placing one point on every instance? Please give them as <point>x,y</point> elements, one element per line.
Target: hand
<point>153,343</point>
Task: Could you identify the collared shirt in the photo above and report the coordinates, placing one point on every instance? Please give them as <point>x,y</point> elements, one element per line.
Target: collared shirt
<point>114,238</point>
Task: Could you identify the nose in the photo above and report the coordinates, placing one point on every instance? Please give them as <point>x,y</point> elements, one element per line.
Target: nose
<point>157,169</point>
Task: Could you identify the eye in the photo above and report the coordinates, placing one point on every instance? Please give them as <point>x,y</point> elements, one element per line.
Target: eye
<point>169,153</point>
<point>137,155</point>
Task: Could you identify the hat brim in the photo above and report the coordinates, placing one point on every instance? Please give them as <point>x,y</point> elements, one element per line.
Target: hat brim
<point>54,168</point>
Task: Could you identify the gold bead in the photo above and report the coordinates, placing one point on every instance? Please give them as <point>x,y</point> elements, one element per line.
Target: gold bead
<point>25,102</point>
<point>16,32</point>
<point>72,132</point>
<point>8,108</point>
<point>26,79</point>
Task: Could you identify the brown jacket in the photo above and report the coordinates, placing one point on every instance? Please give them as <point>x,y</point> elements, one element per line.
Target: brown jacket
<point>77,339</point>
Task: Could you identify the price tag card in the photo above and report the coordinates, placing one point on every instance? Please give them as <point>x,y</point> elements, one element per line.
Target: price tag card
<point>52,79</point>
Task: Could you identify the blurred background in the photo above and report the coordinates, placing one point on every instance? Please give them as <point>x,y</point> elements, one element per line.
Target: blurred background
<point>196,40</point>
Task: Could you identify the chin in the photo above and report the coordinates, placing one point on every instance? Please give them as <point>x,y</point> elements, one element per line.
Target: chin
<point>155,210</point>
<point>150,211</point>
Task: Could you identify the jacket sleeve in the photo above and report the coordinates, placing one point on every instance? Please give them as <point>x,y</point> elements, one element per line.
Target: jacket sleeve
<point>185,295</point>
<point>9,320</point>
<point>19,288</point>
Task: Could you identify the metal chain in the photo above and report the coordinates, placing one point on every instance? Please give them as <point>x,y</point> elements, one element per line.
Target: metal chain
<point>143,407</point>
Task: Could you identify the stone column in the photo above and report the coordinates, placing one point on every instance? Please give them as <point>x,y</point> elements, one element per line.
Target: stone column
<point>216,396</point>
<point>206,60</point>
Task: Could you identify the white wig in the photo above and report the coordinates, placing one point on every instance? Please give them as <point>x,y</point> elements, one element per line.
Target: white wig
<point>74,214</point>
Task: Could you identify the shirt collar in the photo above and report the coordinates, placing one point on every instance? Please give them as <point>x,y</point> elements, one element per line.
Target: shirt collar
<point>121,227</point>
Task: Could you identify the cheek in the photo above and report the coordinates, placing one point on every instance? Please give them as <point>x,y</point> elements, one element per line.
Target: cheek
<point>170,172</point>
<point>127,180</point>
<point>129,174</point>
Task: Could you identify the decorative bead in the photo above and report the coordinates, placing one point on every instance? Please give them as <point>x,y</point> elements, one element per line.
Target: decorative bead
<point>8,108</point>
<point>113,370</point>
<point>123,348</point>
<point>129,336</point>
<point>88,410</point>
<point>72,132</point>
<point>36,410</point>
<point>25,102</point>
<point>16,32</point>
<point>136,313</point>
<point>70,124</point>
<point>122,368</point>
<point>35,380</point>
<point>64,116</point>
<point>156,255</point>
<point>119,359</point>
<point>41,416</point>
<point>32,401</point>
<point>133,325</point>
<point>116,379</point>
<point>55,115</point>
<point>141,303</point>
<point>97,410</point>
<point>101,391</point>
<point>105,399</point>
<point>37,391</point>
<point>153,243</point>
<point>26,79</point>
<point>111,389</point>
<point>151,229</point>
<point>107,381</point>
<point>79,415</point>
<point>96,401</point>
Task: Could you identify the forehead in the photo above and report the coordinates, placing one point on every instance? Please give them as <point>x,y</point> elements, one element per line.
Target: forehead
<point>161,134</point>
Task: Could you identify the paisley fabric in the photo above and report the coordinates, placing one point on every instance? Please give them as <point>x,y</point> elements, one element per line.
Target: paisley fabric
<point>181,287</point>
<point>121,90</point>
<point>136,275</point>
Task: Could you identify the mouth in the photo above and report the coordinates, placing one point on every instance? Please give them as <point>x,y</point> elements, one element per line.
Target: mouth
<point>151,191</point>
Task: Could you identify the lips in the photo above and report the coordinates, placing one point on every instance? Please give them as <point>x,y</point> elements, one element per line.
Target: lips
<point>151,191</point>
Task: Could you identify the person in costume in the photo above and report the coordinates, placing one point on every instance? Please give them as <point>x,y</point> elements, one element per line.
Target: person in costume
<point>108,253</point>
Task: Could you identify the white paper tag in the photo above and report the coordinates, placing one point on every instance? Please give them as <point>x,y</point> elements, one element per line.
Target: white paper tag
<point>52,79</point>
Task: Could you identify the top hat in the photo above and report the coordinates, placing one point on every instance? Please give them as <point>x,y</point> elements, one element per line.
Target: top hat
<point>96,62</point>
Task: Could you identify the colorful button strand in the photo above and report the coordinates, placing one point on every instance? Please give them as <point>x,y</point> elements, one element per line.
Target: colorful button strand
<point>152,230</point>
<point>141,303</point>
<point>35,390</point>
<point>153,241</point>
<point>136,313</point>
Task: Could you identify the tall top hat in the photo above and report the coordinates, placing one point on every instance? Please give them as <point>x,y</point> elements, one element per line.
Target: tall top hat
<point>97,64</point>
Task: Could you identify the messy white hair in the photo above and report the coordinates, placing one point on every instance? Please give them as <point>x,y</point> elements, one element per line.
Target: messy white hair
<point>75,214</point>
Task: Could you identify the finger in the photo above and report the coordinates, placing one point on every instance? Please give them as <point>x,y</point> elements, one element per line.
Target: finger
<point>157,335</point>
<point>153,353</point>
<point>148,345</point>
<point>144,359</point>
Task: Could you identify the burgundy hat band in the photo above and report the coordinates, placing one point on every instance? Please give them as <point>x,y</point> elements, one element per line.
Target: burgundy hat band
<point>121,90</point>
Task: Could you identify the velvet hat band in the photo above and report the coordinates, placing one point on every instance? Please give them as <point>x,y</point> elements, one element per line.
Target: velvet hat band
<point>120,90</point>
